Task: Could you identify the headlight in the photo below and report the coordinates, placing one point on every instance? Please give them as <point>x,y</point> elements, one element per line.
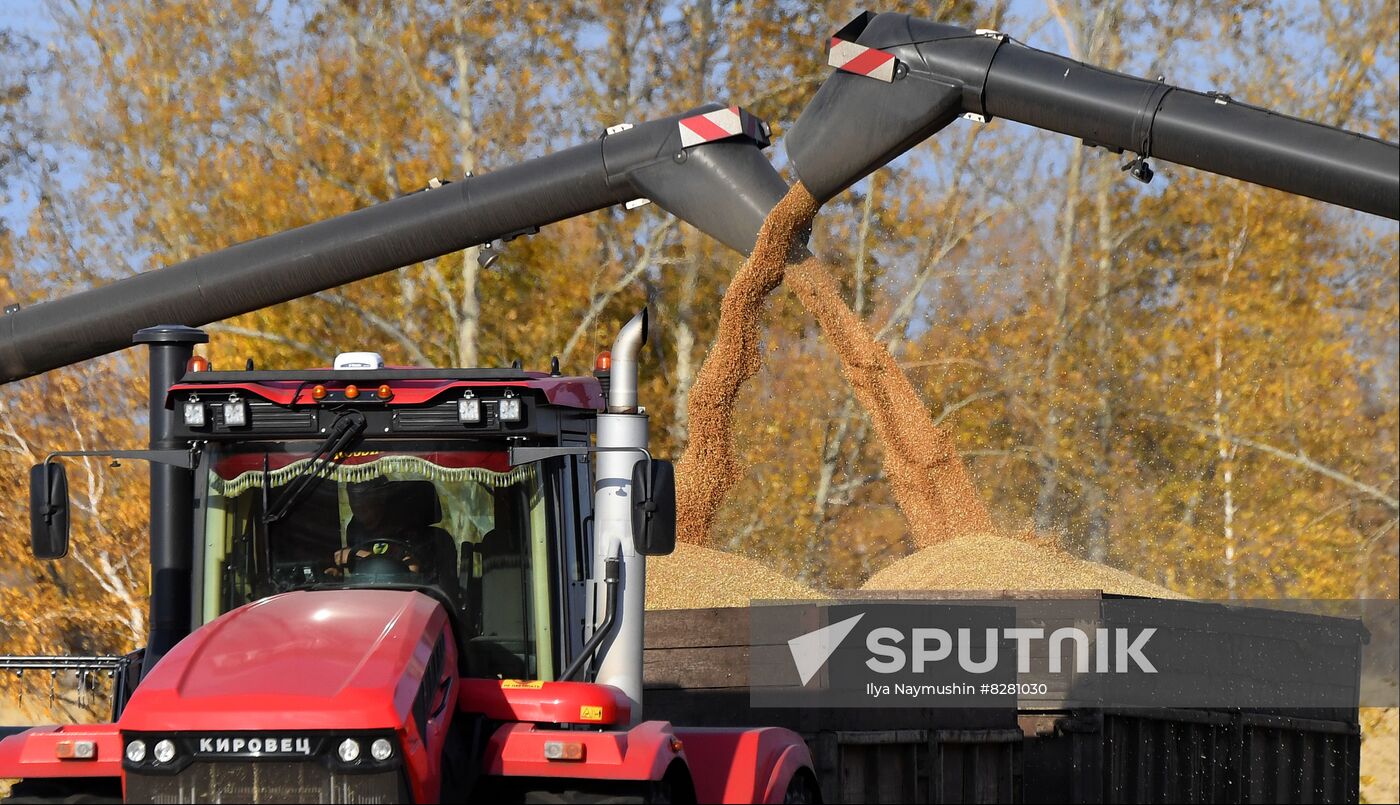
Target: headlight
<point>136,751</point>
<point>510,409</point>
<point>235,413</point>
<point>194,414</point>
<point>164,751</point>
<point>349,750</point>
<point>381,749</point>
<point>469,410</point>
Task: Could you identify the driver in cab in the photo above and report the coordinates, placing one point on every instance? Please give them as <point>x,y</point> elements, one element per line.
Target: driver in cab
<point>393,525</point>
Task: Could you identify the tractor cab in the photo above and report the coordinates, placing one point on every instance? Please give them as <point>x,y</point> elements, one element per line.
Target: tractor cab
<point>364,476</point>
<point>398,581</point>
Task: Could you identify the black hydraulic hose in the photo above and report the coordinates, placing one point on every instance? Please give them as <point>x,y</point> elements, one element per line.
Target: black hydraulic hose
<point>723,187</point>
<point>611,573</point>
<point>857,123</point>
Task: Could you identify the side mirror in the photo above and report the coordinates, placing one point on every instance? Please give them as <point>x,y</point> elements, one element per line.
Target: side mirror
<point>48,510</point>
<point>654,507</point>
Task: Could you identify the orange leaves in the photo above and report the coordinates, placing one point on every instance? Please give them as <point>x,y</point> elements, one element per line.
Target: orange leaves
<point>198,125</point>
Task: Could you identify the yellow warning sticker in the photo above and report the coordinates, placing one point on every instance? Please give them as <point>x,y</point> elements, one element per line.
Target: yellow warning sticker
<point>521,684</point>
<point>590,713</point>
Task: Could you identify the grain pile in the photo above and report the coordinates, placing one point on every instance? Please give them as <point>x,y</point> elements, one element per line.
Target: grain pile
<point>930,482</point>
<point>708,468</point>
<point>990,562</point>
<point>696,577</point>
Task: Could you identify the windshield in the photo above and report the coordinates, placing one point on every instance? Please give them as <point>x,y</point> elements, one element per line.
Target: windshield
<point>459,524</point>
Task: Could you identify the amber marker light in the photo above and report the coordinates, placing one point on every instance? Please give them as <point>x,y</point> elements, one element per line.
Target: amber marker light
<point>197,363</point>
<point>75,750</point>
<point>385,392</point>
<point>352,392</point>
<point>318,392</point>
<point>564,750</point>
<point>604,362</point>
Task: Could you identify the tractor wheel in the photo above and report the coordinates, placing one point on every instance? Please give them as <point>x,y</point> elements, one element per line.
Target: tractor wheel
<point>44,792</point>
<point>802,790</point>
<point>603,793</point>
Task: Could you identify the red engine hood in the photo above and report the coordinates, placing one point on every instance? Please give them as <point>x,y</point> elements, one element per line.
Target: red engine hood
<point>343,659</point>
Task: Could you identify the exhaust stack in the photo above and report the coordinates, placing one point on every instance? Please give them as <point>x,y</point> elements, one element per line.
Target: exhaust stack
<point>622,381</point>
<point>622,436</point>
<point>904,79</point>
<point>717,180</point>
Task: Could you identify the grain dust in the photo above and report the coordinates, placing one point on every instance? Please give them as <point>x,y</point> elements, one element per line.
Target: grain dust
<point>709,468</point>
<point>926,472</point>
<point>695,577</point>
<point>988,561</point>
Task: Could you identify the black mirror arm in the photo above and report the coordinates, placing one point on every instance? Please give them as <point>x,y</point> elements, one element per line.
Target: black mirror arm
<point>525,455</point>
<point>184,459</point>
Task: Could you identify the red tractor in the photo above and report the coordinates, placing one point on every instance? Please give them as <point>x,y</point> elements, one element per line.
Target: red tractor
<point>408,585</point>
<point>379,584</point>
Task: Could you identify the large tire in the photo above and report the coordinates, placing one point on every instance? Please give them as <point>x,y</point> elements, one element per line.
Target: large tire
<point>592,792</point>
<point>624,795</point>
<point>78,790</point>
<point>674,788</point>
<point>802,790</point>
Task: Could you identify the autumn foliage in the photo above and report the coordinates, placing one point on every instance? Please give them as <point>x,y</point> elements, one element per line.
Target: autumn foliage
<point>1193,381</point>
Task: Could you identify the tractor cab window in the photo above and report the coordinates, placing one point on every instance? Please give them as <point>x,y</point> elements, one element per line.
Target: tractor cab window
<point>459,525</point>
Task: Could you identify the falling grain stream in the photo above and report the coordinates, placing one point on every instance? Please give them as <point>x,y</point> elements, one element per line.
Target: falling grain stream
<point>930,483</point>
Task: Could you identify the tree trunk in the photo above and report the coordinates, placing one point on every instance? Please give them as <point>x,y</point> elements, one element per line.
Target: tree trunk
<point>469,306</point>
<point>1047,516</point>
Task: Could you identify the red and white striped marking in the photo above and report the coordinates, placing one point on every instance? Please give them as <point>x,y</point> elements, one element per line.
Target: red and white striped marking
<point>861,60</point>
<point>718,125</point>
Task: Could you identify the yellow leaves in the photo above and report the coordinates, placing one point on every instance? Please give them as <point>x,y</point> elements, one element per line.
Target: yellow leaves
<point>47,605</point>
<point>209,124</point>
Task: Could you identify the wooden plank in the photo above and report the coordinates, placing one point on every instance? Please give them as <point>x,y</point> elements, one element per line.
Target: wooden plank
<point>720,626</point>
<point>883,737</point>
<point>731,708</point>
<point>685,628</point>
<point>722,667</point>
<point>717,708</point>
<point>826,758</point>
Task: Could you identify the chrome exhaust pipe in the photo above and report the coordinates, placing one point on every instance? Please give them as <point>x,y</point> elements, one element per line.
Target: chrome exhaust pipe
<point>622,388</point>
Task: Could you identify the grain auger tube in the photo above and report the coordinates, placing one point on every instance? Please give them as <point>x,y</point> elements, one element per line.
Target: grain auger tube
<point>705,167</point>
<point>900,80</point>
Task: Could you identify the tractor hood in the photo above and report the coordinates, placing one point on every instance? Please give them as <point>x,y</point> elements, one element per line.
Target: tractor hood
<point>319,660</point>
